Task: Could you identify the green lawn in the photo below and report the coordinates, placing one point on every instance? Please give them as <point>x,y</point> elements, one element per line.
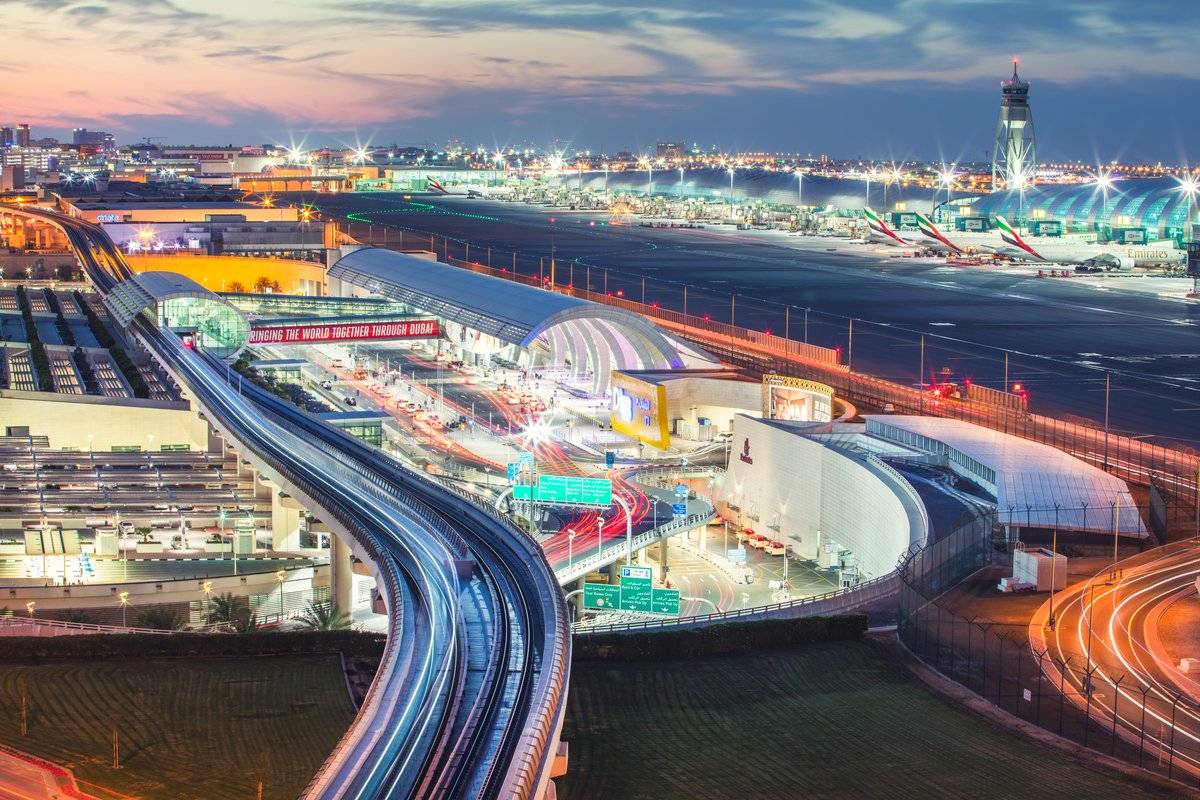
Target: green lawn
<point>206,729</point>
<point>828,721</point>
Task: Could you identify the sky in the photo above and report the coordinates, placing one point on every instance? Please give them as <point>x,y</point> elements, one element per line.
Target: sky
<point>909,79</point>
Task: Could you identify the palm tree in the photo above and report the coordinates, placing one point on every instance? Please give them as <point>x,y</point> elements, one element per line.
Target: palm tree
<point>162,618</point>
<point>230,610</point>
<point>323,617</point>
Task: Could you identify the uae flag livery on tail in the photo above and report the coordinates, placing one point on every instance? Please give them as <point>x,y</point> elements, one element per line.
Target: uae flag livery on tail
<point>927,228</point>
<point>437,186</point>
<point>1010,236</point>
<point>880,227</point>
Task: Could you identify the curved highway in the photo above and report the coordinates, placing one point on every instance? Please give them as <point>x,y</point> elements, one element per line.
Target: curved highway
<point>470,695</point>
<point>1106,632</point>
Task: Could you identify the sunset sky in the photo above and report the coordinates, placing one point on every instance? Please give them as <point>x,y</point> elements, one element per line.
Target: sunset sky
<point>916,78</point>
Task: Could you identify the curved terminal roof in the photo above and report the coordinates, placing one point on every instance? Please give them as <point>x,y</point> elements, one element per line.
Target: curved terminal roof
<point>1028,479</point>
<point>771,186</point>
<point>178,302</point>
<point>1153,203</point>
<point>603,337</point>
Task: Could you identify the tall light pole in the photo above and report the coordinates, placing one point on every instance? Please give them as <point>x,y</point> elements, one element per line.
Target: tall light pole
<point>1190,186</point>
<point>570,547</point>
<point>599,535</point>
<point>123,599</point>
<point>281,576</point>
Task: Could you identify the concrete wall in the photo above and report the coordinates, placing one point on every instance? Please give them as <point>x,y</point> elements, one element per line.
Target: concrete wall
<point>818,494</point>
<point>69,421</point>
<point>719,400</point>
<point>217,273</point>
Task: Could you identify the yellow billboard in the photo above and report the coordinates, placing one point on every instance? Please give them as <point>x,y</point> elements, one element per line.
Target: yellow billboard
<point>796,399</point>
<point>639,409</point>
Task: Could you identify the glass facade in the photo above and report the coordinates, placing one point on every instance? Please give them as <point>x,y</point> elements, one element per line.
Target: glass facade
<point>1159,205</point>
<point>219,327</point>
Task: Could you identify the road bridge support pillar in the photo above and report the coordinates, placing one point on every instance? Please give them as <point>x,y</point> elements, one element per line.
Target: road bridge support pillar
<point>285,523</point>
<point>341,574</point>
<point>662,556</point>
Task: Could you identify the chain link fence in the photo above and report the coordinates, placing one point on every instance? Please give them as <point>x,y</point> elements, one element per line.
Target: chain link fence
<point>1072,698</point>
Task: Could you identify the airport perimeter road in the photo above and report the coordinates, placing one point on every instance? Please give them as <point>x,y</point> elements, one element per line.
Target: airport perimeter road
<point>1108,628</point>
<point>1062,335</point>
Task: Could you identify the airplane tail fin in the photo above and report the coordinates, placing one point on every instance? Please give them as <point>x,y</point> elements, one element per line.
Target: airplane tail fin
<point>927,228</point>
<point>1009,235</point>
<point>879,226</point>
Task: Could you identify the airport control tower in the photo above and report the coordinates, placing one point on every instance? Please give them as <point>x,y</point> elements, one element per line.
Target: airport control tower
<point>1015,151</point>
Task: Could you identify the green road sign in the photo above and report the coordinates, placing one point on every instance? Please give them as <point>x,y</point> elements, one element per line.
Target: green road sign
<point>635,593</point>
<point>567,490</point>
<point>601,596</point>
<point>636,588</point>
<point>665,601</point>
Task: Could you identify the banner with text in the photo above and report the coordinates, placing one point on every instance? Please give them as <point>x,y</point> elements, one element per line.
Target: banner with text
<point>317,333</point>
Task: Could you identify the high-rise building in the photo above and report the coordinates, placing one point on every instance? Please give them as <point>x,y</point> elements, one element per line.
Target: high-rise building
<point>101,139</point>
<point>1015,151</point>
<point>670,150</point>
<point>6,137</point>
<point>22,138</point>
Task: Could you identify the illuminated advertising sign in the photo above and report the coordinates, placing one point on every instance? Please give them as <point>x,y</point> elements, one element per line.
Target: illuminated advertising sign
<point>796,399</point>
<point>317,334</point>
<point>639,409</point>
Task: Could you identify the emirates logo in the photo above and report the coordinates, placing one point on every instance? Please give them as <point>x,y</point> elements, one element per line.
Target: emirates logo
<point>745,456</point>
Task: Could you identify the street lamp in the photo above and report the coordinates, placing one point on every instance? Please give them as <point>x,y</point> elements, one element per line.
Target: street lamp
<point>207,588</point>
<point>29,608</point>
<point>123,599</point>
<point>946,178</point>
<point>599,535</point>
<point>1189,186</point>
<point>280,576</point>
<point>570,547</point>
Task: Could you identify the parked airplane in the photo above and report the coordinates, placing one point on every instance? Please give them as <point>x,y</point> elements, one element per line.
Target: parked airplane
<point>469,191</point>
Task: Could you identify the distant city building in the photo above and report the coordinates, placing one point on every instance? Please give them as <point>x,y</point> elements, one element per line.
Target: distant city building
<point>33,159</point>
<point>670,149</point>
<point>1015,150</point>
<point>6,137</point>
<point>86,138</point>
<point>22,138</point>
<point>12,177</point>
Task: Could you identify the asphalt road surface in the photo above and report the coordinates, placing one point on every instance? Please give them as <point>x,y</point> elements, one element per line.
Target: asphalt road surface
<point>1061,336</point>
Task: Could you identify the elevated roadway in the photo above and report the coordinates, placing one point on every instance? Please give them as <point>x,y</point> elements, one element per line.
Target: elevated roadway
<point>470,695</point>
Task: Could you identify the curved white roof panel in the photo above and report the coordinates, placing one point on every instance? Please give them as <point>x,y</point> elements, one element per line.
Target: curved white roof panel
<point>512,312</point>
<point>1035,485</point>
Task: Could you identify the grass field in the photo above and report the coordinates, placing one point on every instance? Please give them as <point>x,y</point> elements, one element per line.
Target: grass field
<point>188,729</point>
<point>831,721</point>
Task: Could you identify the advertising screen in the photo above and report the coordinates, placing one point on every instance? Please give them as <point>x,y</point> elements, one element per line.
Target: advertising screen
<point>639,410</point>
<point>796,399</point>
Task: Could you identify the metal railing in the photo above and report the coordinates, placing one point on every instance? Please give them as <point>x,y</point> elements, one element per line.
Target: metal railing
<point>577,568</point>
<point>16,622</point>
<point>829,602</point>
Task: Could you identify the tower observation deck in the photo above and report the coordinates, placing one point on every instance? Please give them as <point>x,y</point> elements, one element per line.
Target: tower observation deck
<point>1015,151</point>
